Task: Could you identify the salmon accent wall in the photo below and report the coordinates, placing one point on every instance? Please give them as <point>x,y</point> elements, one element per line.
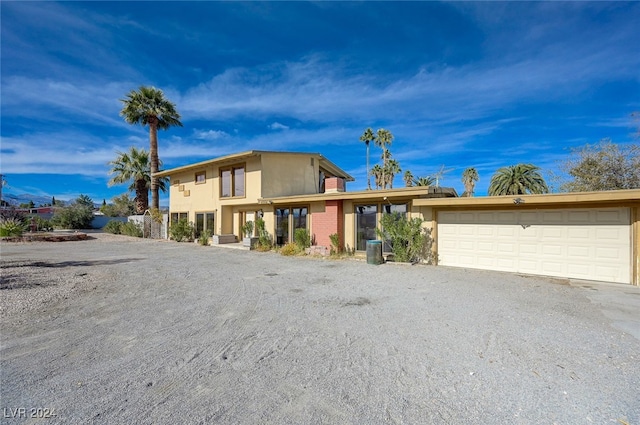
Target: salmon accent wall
<point>328,222</point>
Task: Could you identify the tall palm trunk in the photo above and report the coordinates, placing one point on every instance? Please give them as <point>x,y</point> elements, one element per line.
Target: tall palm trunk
<point>384,166</point>
<point>368,173</point>
<point>142,196</point>
<point>153,156</point>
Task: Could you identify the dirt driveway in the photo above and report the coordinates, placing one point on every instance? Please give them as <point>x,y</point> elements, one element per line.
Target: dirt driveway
<point>120,330</point>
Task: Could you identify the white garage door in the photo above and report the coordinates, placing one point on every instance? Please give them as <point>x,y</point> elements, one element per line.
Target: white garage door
<point>592,244</point>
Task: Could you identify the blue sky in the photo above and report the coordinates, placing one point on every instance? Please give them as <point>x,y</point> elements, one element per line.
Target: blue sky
<point>482,84</point>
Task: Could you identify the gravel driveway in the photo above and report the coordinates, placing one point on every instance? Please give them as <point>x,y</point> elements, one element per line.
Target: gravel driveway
<point>122,330</point>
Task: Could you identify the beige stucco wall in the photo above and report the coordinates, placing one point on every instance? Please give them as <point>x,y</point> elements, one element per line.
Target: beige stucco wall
<point>289,174</point>
<point>205,197</point>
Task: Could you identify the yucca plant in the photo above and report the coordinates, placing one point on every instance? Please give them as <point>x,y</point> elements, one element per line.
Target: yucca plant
<point>12,226</point>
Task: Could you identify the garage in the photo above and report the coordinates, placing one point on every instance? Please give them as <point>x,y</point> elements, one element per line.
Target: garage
<point>581,243</point>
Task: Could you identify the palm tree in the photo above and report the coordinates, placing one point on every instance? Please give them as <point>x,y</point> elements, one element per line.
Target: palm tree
<point>377,174</point>
<point>517,179</point>
<point>367,137</point>
<point>408,178</point>
<point>134,167</point>
<point>392,168</point>
<point>424,181</point>
<point>148,106</point>
<point>383,139</point>
<point>469,179</point>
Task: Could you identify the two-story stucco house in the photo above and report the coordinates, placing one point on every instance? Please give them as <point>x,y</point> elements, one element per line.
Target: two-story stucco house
<point>289,190</point>
<point>592,235</point>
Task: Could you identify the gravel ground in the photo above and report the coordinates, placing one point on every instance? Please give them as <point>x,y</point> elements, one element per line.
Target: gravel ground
<point>121,330</point>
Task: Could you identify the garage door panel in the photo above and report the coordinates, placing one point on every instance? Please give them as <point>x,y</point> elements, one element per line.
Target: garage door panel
<point>467,245</point>
<point>579,217</point>
<point>506,231</point>
<point>551,217</point>
<point>553,268</point>
<point>610,216</point>
<point>528,248</point>
<point>553,250</point>
<point>578,252</point>
<point>586,243</point>
<point>467,230</point>
<point>485,246</point>
<point>579,232</point>
<point>610,233</point>
<point>553,232</point>
<point>486,231</point>
<point>611,253</point>
<point>488,218</point>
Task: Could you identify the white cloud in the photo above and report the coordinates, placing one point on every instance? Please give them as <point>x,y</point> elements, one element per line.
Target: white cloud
<point>57,153</point>
<point>209,134</point>
<point>277,126</point>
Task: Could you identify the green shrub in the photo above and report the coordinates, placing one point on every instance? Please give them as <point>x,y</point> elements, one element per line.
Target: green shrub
<point>265,242</point>
<point>409,241</point>
<point>182,230</point>
<point>290,249</point>
<point>335,244</point>
<point>12,226</point>
<point>302,238</point>
<point>203,239</point>
<point>247,229</point>
<point>113,226</point>
<point>43,225</point>
<point>78,215</point>
<point>131,228</point>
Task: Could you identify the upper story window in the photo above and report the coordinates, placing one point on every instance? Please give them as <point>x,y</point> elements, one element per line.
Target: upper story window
<point>232,181</point>
<point>201,177</point>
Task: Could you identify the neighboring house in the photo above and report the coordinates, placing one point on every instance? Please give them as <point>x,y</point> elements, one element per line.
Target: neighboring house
<point>592,236</point>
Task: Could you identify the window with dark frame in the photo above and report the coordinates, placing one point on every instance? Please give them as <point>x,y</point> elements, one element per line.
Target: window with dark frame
<point>367,221</point>
<point>201,177</point>
<point>232,182</point>
<point>287,221</point>
<point>204,223</point>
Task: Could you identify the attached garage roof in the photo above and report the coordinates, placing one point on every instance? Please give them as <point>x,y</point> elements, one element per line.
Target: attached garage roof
<point>604,198</point>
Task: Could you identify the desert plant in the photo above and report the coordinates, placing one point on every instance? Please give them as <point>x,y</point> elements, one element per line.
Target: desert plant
<point>155,213</point>
<point>290,249</point>
<point>407,237</point>
<point>113,226</point>
<point>131,228</point>
<point>12,212</point>
<point>78,215</point>
<point>264,238</point>
<point>43,225</point>
<point>181,230</point>
<point>247,229</point>
<point>335,244</point>
<point>12,227</point>
<point>203,239</point>
<point>302,238</point>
